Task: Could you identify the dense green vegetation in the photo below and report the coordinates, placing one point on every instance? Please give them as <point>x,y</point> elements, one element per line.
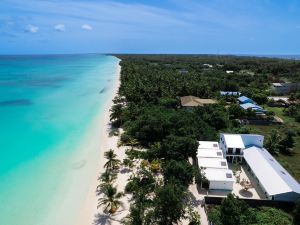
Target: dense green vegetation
<point>234,211</point>
<point>148,109</point>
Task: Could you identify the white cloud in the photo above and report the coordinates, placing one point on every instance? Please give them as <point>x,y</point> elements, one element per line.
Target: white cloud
<point>60,27</point>
<point>31,29</point>
<point>86,27</point>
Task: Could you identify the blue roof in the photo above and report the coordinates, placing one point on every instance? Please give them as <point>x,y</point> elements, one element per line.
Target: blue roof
<point>245,99</point>
<point>233,93</point>
<point>251,106</point>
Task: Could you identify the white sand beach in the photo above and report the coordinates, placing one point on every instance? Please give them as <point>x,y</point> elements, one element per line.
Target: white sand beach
<point>104,142</point>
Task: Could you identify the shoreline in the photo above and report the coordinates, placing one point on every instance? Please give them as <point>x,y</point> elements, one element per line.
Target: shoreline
<point>89,210</point>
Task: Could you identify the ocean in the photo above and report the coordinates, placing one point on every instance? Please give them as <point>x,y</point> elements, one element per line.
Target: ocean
<point>47,106</point>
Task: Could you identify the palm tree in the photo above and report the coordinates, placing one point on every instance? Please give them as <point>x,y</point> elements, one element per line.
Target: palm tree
<point>112,161</point>
<point>132,142</point>
<point>111,199</point>
<point>106,179</point>
<point>116,114</point>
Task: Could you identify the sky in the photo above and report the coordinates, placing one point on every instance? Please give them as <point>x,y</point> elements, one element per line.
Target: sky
<point>154,26</point>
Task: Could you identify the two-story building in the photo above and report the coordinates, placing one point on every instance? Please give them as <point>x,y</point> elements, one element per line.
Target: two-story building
<point>233,145</point>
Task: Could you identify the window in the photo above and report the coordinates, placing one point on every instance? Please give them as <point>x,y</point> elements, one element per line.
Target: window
<point>230,150</point>
<point>238,151</point>
<point>223,164</point>
<point>219,153</point>
<point>215,145</point>
<point>228,175</point>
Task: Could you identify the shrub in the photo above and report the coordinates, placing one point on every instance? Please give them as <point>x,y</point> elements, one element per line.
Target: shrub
<point>155,166</point>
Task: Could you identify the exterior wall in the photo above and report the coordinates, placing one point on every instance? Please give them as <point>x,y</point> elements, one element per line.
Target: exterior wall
<point>286,88</point>
<point>222,144</point>
<point>250,140</point>
<point>230,157</point>
<point>288,197</point>
<point>221,185</point>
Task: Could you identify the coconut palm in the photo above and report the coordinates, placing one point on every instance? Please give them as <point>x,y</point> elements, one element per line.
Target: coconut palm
<point>111,199</point>
<point>112,161</point>
<point>132,142</point>
<point>106,179</point>
<point>116,114</point>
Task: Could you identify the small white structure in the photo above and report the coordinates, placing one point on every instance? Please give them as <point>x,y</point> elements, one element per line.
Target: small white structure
<point>210,153</point>
<point>233,145</point>
<point>279,98</point>
<point>219,179</point>
<point>229,71</point>
<point>211,160</point>
<point>275,181</point>
<point>208,145</point>
<point>216,163</point>
<point>208,65</point>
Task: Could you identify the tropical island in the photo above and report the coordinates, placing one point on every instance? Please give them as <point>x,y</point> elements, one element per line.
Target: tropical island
<point>191,131</point>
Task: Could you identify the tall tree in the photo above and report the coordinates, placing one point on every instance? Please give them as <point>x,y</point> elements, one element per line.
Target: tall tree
<point>180,172</point>
<point>110,200</point>
<point>112,161</point>
<point>169,204</point>
<point>272,143</point>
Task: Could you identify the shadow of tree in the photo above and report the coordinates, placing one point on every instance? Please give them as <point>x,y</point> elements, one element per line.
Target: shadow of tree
<point>105,219</point>
<point>102,219</point>
<point>193,201</point>
<point>125,170</point>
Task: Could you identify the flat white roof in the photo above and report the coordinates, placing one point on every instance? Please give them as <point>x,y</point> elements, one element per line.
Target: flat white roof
<point>219,175</point>
<point>212,163</point>
<point>210,153</point>
<point>208,144</point>
<point>277,84</point>
<point>271,175</point>
<point>234,141</point>
<point>277,98</point>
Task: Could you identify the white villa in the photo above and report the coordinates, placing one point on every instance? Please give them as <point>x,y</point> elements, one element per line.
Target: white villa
<point>211,160</point>
<point>220,179</point>
<point>274,181</point>
<point>233,145</point>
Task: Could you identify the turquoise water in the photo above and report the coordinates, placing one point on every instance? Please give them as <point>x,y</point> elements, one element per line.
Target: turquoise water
<point>47,105</point>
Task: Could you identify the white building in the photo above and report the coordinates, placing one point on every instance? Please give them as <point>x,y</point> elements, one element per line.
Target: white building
<point>285,88</point>
<point>210,153</point>
<point>274,180</point>
<point>215,167</point>
<point>216,163</point>
<point>233,145</point>
<point>208,65</point>
<point>208,145</point>
<point>219,179</point>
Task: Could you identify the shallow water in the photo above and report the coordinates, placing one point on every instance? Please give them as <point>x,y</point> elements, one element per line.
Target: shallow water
<point>47,104</point>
